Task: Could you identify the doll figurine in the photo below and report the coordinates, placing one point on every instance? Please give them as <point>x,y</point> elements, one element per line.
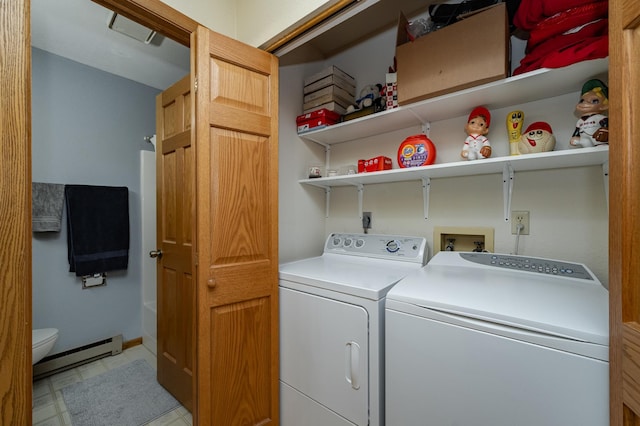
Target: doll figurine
<point>477,145</point>
<point>593,126</point>
<point>537,138</point>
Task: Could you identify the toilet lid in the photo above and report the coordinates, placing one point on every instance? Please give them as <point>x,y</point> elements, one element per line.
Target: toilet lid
<point>43,335</point>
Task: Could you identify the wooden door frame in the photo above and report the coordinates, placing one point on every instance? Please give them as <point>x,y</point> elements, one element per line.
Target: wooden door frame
<point>624,215</point>
<point>15,213</point>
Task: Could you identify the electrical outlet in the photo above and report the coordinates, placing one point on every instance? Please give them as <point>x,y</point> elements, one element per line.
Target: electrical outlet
<point>520,217</point>
<point>366,220</point>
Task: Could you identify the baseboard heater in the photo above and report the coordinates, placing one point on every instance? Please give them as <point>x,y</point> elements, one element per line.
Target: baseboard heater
<point>74,357</point>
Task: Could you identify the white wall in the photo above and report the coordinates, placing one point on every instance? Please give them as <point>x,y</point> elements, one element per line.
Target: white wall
<point>254,22</point>
<point>301,212</point>
<point>568,208</point>
<point>217,15</point>
<point>260,21</point>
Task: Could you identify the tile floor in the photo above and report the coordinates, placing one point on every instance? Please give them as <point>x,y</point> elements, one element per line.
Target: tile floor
<point>49,408</point>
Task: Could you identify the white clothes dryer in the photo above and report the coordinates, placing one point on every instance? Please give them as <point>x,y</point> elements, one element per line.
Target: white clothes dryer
<point>332,325</point>
<point>497,340</point>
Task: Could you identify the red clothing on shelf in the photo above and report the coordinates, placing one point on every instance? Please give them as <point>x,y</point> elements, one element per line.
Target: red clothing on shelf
<point>531,12</point>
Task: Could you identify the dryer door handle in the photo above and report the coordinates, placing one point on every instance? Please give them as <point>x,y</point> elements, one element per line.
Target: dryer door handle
<point>352,364</point>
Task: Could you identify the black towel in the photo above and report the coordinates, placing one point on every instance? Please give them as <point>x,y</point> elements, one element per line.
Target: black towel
<point>97,228</point>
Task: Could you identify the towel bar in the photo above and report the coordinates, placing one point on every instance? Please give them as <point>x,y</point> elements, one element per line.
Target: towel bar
<point>94,280</point>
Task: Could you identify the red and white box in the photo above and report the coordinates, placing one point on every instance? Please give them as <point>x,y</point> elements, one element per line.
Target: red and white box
<point>375,164</point>
<point>316,120</point>
<point>391,90</point>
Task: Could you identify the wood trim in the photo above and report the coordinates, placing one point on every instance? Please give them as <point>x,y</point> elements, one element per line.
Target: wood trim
<point>624,214</point>
<point>155,15</point>
<point>307,25</point>
<point>131,343</point>
<point>15,213</point>
<point>631,365</point>
<point>616,159</point>
<point>200,45</point>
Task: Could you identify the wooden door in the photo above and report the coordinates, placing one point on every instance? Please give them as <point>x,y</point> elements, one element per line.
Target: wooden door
<point>236,162</point>
<point>624,211</point>
<point>175,216</point>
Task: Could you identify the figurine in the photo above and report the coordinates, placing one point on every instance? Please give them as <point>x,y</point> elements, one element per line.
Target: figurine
<point>592,128</point>
<point>537,138</point>
<point>515,121</point>
<point>369,95</point>
<point>477,145</point>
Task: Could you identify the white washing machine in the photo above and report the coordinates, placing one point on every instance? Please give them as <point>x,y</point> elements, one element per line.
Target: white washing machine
<point>332,325</point>
<point>480,339</point>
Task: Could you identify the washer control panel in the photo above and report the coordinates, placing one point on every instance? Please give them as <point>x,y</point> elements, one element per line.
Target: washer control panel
<point>396,247</point>
<point>531,264</point>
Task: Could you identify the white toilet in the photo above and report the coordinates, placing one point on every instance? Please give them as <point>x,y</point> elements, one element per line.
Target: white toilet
<point>43,340</point>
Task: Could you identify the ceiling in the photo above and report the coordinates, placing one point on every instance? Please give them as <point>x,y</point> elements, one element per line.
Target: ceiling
<point>78,30</point>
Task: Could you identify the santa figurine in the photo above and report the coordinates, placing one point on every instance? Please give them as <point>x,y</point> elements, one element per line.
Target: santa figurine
<point>537,138</point>
<point>477,145</point>
<point>593,126</point>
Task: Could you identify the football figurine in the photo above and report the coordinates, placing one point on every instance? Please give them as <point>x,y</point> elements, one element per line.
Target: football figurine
<point>537,138</point>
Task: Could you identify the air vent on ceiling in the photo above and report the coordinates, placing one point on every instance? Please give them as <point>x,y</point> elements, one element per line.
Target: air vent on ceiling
<point>131,28</point>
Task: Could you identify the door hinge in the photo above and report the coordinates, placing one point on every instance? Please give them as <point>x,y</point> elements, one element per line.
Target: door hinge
<point>195,258</point>
<point>195,85</point>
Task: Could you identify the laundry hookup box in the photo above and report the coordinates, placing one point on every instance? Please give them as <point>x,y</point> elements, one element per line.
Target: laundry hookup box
<point>468,53</point>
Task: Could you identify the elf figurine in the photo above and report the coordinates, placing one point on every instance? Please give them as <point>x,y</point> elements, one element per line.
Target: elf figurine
<point>593,126</point>
<point>477,145</point>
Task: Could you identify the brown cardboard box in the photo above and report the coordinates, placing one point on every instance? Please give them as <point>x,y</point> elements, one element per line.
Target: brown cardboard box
<point>331,93</point>
<point>332,70</point>
<point>332,79</point>
<point>468,53</point>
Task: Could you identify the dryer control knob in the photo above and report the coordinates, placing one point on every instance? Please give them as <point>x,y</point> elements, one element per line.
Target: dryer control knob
<point>393,246</point>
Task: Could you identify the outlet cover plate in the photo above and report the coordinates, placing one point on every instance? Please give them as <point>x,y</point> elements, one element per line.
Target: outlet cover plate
<point>520,216</point>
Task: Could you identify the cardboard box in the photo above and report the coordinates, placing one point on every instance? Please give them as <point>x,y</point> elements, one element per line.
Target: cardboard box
<point>331,106</point>
<point>468,53</point>
<point>316,120</point>
<point>331,80</point>
<point>375,164</point>
<point>332,70</point>
<point>325,99</point>
<point>329,94</point>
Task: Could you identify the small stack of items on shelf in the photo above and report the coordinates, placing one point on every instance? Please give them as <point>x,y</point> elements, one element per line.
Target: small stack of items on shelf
<point>317,119</point>
<point>331,89</point>
<point>561,33</point>
<point>375,164</point>
<point>327,95</point>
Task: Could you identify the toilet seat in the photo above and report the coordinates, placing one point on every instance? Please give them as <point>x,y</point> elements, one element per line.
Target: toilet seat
<point>43,336</point>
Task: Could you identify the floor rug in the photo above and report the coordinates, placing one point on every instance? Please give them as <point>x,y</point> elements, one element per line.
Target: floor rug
<point>128,395</point>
